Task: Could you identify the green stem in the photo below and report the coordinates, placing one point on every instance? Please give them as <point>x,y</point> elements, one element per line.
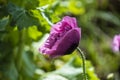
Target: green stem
<point>46,18</point>
<point>42,10</point>
<point>19,54</point>
<point>83,60</point>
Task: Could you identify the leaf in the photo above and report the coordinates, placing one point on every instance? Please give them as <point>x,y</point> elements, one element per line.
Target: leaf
<point>26,3</point>
<point>3,52</point>
<point>8,70</point>
<point>108,17</point>
<point>3,23</point>
<point>21,17</point>
<point>34,33</point>
<point>76,7</point>
<point>70,72</point>
<point>28,66</point>
<point>53,77</point>
<point>13,70</point>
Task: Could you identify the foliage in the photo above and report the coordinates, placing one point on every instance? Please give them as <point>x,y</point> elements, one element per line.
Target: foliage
<point>23,27</point>
<point>70,72</point>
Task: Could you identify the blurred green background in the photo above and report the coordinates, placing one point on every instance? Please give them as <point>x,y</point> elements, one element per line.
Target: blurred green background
<point>24,26</point>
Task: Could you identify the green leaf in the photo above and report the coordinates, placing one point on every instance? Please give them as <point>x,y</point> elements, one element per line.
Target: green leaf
<point>28,68</point>
<point>44,26</point>
<point>3,23</point>
<point>67,72</point>
<point>108,17</point>
<point>8,70</point>
<point>53,77</point>
<point>70,72</point>
<point>34,33</point>
<point>26,3</point>
<point>76,7</point>
<point>21,17</point>
<point>13,70</point>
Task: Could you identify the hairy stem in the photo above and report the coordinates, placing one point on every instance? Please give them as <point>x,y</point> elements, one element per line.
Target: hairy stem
<point>83,61</point>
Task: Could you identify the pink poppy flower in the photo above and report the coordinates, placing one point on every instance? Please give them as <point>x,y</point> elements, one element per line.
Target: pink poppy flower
<point>116,43</point>
<point>63,39</point>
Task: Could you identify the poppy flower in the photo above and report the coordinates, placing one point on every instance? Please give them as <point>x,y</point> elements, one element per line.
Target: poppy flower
<point>63,39</point>
<point>116,43</point>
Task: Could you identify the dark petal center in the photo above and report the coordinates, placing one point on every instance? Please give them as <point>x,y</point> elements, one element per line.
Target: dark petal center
<point>71,48</point>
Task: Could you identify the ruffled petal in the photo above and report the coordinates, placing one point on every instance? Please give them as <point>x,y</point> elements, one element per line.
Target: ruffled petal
<point>71,21</point>
<point>64,38</point>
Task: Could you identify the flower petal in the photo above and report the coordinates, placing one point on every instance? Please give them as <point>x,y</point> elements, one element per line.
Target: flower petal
<point>71,21</point>
<point>67,44</point>
<point>116,43</point>
<point>64,38</point>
